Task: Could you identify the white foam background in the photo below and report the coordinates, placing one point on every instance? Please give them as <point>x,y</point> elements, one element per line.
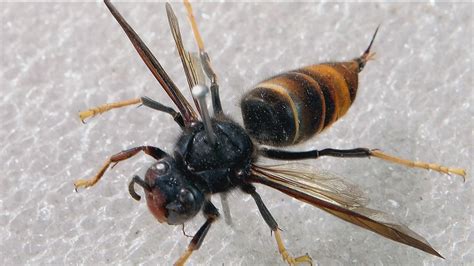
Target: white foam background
<point>60,58</point>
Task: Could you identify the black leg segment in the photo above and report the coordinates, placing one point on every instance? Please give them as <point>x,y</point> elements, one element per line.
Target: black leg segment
<point>211,213</point>
<point>216,101</point>
<point>358,153</point>
<point>313,154</point>
<point>163,108</point>
<point>267,216</point>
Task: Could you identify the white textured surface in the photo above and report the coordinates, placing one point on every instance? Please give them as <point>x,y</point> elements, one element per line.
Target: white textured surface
<point>414,101</point>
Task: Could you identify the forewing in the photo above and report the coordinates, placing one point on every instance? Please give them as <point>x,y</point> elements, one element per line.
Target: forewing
<point>323,185</point>
<point>308,189</point>
<point>382,224</point>
<point>156,69</point>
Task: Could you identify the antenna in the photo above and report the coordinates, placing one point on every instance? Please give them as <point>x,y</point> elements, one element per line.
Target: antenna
<point>199,94</point>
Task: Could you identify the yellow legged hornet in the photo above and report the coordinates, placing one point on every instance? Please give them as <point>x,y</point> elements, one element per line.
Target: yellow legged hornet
<point>214,155</point>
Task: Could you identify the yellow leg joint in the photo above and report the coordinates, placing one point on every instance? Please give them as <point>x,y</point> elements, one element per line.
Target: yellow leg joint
<point>106,107</point>
<point>416,164</point>
<point>85,183</point>
<point>286,256</point>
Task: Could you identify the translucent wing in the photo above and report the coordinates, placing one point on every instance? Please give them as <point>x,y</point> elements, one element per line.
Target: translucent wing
<point>345,201</point>
<point>323,185</point>
<point>191,61</point>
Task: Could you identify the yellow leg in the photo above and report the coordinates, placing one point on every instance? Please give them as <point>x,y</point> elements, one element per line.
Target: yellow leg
<point>212,214</point>
<point>115,159</point>
<point>286,256</point>
<point>184,257</point>
<point>194,26</point>
<point>106,107</point>
<point>85,183</point>
<point>415,164</point>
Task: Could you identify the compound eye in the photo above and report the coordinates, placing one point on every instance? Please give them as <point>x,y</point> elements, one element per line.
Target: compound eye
<point>186,197</point>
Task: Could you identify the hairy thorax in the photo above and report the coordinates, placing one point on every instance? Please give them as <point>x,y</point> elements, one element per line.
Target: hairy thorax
<point>217,167</point>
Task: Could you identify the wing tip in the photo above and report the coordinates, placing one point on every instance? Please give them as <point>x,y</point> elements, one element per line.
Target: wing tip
<point>432,251</point>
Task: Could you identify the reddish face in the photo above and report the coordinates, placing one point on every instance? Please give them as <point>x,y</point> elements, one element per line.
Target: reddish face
<point>172,198</point>
<point>156,204</point>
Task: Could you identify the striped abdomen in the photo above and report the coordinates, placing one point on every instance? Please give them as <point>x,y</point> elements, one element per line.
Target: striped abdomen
<point>294,106</point>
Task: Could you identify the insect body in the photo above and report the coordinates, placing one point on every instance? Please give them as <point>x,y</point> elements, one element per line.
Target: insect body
<point>214,155</point>
<point>176,188</point>
<point>294,106</point>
